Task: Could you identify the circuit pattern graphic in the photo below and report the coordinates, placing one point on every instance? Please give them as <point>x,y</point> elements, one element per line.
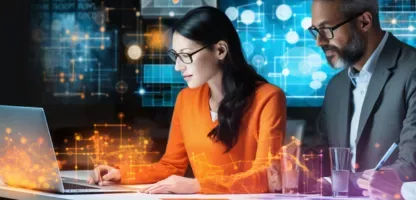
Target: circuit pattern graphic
<point>88,59</point>
<point>276,42</point>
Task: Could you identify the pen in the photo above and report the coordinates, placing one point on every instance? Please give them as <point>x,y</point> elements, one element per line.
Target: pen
<point>387,155</point>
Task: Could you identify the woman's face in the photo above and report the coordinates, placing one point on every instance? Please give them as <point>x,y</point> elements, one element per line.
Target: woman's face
<point>204,65</point>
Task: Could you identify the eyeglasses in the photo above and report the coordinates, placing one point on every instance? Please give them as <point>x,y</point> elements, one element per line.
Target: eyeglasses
<point>185,57</point>
<point>328,32</point>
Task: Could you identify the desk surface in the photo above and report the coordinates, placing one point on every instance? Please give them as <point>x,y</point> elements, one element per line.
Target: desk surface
<point>17,193</point>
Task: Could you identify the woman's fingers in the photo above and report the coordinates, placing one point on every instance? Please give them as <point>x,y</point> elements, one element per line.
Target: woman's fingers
<point>106,183</point>
<point>164,189</point>
<point>158,189</point>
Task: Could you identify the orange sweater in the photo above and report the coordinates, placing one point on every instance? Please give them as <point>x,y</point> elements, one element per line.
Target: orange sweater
<point>243,168</point>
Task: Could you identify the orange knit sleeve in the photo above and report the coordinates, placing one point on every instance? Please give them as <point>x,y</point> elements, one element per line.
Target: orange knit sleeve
<point>270,138</point>
<point>173,162</point>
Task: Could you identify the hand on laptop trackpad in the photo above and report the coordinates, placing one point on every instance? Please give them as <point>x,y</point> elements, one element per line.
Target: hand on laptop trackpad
<point>99,181</point>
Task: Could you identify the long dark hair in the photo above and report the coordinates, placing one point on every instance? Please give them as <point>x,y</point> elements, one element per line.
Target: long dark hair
<point>207,26</point>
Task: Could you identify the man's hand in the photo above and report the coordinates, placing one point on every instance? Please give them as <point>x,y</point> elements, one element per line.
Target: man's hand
<point>174,184</point>
<point>383,184</point>
<point>104,175</point>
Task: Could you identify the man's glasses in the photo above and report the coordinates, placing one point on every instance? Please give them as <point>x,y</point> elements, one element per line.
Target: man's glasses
<point>328,32</point>
<point>185,57</point>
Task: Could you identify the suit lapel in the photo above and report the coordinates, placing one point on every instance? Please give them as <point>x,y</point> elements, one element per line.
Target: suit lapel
<point>381,74</point>
<point>343,111</point>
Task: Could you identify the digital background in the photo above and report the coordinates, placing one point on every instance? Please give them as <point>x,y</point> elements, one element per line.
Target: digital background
<point>97,51</point>
<point>99,69</point>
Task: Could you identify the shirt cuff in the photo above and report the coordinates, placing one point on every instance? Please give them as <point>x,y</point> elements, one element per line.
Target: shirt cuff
<point>408,190</point>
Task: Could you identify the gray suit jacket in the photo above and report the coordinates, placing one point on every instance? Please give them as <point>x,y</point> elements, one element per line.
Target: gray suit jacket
<point>388,112</point>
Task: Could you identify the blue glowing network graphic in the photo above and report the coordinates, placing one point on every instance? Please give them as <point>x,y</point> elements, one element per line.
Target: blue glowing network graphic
<point>82,63</point>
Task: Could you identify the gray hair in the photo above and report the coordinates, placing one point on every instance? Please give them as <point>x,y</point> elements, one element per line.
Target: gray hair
<point>350,8</point>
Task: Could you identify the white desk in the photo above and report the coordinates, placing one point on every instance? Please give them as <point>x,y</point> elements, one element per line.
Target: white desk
<point>17,193</point>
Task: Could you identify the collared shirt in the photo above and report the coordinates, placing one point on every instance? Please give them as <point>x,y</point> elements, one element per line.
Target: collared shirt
<point>360,79</point>
<point>408,190</point>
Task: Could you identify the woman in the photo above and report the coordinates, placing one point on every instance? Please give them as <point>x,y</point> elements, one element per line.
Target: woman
<point>228,124</point>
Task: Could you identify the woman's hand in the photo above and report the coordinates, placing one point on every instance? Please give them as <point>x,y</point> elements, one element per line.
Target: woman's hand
<point>104,175</point>
<point>174,184</point>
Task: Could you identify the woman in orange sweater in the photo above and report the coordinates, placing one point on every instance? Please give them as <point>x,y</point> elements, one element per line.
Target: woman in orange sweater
<point>229,124</point>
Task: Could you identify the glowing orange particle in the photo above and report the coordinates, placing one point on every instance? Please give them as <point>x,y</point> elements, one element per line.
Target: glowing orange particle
<point>23,140</point>
<point>40,140</point>
<point>32,185</point>
<point>356,166</point>
<point>8,130</point>
<point>121,115</point>
<point>41,179</point>
<point>156,39</point>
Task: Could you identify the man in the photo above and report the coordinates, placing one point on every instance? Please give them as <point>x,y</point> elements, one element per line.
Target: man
<point>386,184</point>
<point>372,101</point>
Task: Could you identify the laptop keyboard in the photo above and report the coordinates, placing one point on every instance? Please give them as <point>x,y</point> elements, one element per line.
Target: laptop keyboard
<point>72,186</point>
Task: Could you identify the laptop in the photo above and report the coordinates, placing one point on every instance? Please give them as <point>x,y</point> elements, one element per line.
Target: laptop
<point>28,159</point>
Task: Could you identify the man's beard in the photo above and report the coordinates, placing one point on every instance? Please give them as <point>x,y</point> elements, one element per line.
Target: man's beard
<point>350,54</point>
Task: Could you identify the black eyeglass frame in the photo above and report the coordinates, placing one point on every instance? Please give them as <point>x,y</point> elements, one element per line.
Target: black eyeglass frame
<point>331,29</point>
<point>173,52</point>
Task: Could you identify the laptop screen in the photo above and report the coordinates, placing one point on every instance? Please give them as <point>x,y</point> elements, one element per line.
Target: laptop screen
<point>27,157</point>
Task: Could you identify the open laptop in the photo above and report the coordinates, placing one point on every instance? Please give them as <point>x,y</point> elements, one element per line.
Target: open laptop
<point>28,159</point>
